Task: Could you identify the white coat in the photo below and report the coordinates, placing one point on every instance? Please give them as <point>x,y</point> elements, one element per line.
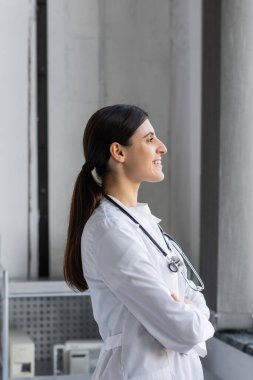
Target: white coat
<point>147,334</point>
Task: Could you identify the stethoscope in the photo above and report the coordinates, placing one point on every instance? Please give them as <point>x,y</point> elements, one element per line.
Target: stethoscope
<point>174,262</point>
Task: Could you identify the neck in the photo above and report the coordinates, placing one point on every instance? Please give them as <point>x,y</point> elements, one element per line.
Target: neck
<point>125,192</point>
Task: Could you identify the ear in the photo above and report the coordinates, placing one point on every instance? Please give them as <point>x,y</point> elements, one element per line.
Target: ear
<point>117,152</point>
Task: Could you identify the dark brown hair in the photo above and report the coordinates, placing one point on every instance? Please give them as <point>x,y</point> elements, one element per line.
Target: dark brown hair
<point>116,123</point>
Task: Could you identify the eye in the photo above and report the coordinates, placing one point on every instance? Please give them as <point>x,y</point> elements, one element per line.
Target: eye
<point>150,139</point>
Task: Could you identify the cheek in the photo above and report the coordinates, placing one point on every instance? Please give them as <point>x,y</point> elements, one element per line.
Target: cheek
<point>137,167</point>
<point>145,168</point>
<point>135,164</point>
<point>141,160</point>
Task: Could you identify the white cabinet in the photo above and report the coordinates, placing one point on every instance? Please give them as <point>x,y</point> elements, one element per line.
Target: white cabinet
<point>49,311</point>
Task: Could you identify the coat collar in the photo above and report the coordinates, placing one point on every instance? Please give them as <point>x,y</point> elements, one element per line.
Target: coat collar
<point>141,209</point>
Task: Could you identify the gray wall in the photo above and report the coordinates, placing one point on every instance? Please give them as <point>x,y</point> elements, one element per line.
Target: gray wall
<point>73,89</point>
<point>99,53</point>
<point>18,148</point>
<point>145,53</point>
<point>135,68</point>
<point>102,53</point>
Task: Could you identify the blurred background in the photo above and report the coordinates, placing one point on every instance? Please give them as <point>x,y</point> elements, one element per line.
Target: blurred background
<point>189,64</point>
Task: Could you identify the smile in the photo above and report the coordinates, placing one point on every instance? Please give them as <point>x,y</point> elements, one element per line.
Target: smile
<point>158,162</point>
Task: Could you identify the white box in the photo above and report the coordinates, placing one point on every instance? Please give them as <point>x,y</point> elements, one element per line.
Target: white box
<point>22,354</point>
<point>80,356</point>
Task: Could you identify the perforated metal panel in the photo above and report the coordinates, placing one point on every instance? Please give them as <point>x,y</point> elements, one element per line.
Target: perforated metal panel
<point>52,320</point>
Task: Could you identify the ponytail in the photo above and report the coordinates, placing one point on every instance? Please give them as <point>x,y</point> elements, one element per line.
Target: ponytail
<point>109,124</point>
<point>86,197</point>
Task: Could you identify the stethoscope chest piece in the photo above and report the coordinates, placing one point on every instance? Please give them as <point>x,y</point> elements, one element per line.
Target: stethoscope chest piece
<point>174,263</point>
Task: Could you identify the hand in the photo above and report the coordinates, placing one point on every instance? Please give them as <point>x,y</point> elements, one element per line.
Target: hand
<point>174,296</point>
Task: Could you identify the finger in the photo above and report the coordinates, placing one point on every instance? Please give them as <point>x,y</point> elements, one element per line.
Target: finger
<point>174,296</point>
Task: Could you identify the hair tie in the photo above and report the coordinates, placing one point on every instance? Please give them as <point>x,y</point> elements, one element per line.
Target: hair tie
<point>87,167</point>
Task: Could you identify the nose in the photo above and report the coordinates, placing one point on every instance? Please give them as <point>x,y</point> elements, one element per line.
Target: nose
<point>161,147</point>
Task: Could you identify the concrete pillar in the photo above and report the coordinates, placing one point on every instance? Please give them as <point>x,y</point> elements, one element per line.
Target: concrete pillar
<point>185,124</point>
<point>227,161</point>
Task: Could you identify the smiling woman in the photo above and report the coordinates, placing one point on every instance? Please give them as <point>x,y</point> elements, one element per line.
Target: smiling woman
<point>130,165</point>
<point>153,325</point>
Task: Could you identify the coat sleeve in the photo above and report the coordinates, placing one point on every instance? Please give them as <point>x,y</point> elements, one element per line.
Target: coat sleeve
<point>126,269</point>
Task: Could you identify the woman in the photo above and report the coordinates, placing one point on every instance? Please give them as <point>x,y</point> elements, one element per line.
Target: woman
<point>152,322</point>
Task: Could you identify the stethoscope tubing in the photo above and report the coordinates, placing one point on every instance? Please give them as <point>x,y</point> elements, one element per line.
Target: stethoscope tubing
<point>180,251</point>
<point>136,222</point>
<point>173,266</point>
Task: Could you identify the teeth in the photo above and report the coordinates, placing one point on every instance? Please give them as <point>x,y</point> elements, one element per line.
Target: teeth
<point>157,162</point>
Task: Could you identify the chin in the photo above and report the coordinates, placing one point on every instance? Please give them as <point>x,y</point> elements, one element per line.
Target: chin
<point>159,178</point>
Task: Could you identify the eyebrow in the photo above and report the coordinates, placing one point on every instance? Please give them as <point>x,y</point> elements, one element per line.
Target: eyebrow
<point>149,133</point>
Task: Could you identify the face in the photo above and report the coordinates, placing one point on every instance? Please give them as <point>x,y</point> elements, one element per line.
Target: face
<point>143,157</point>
